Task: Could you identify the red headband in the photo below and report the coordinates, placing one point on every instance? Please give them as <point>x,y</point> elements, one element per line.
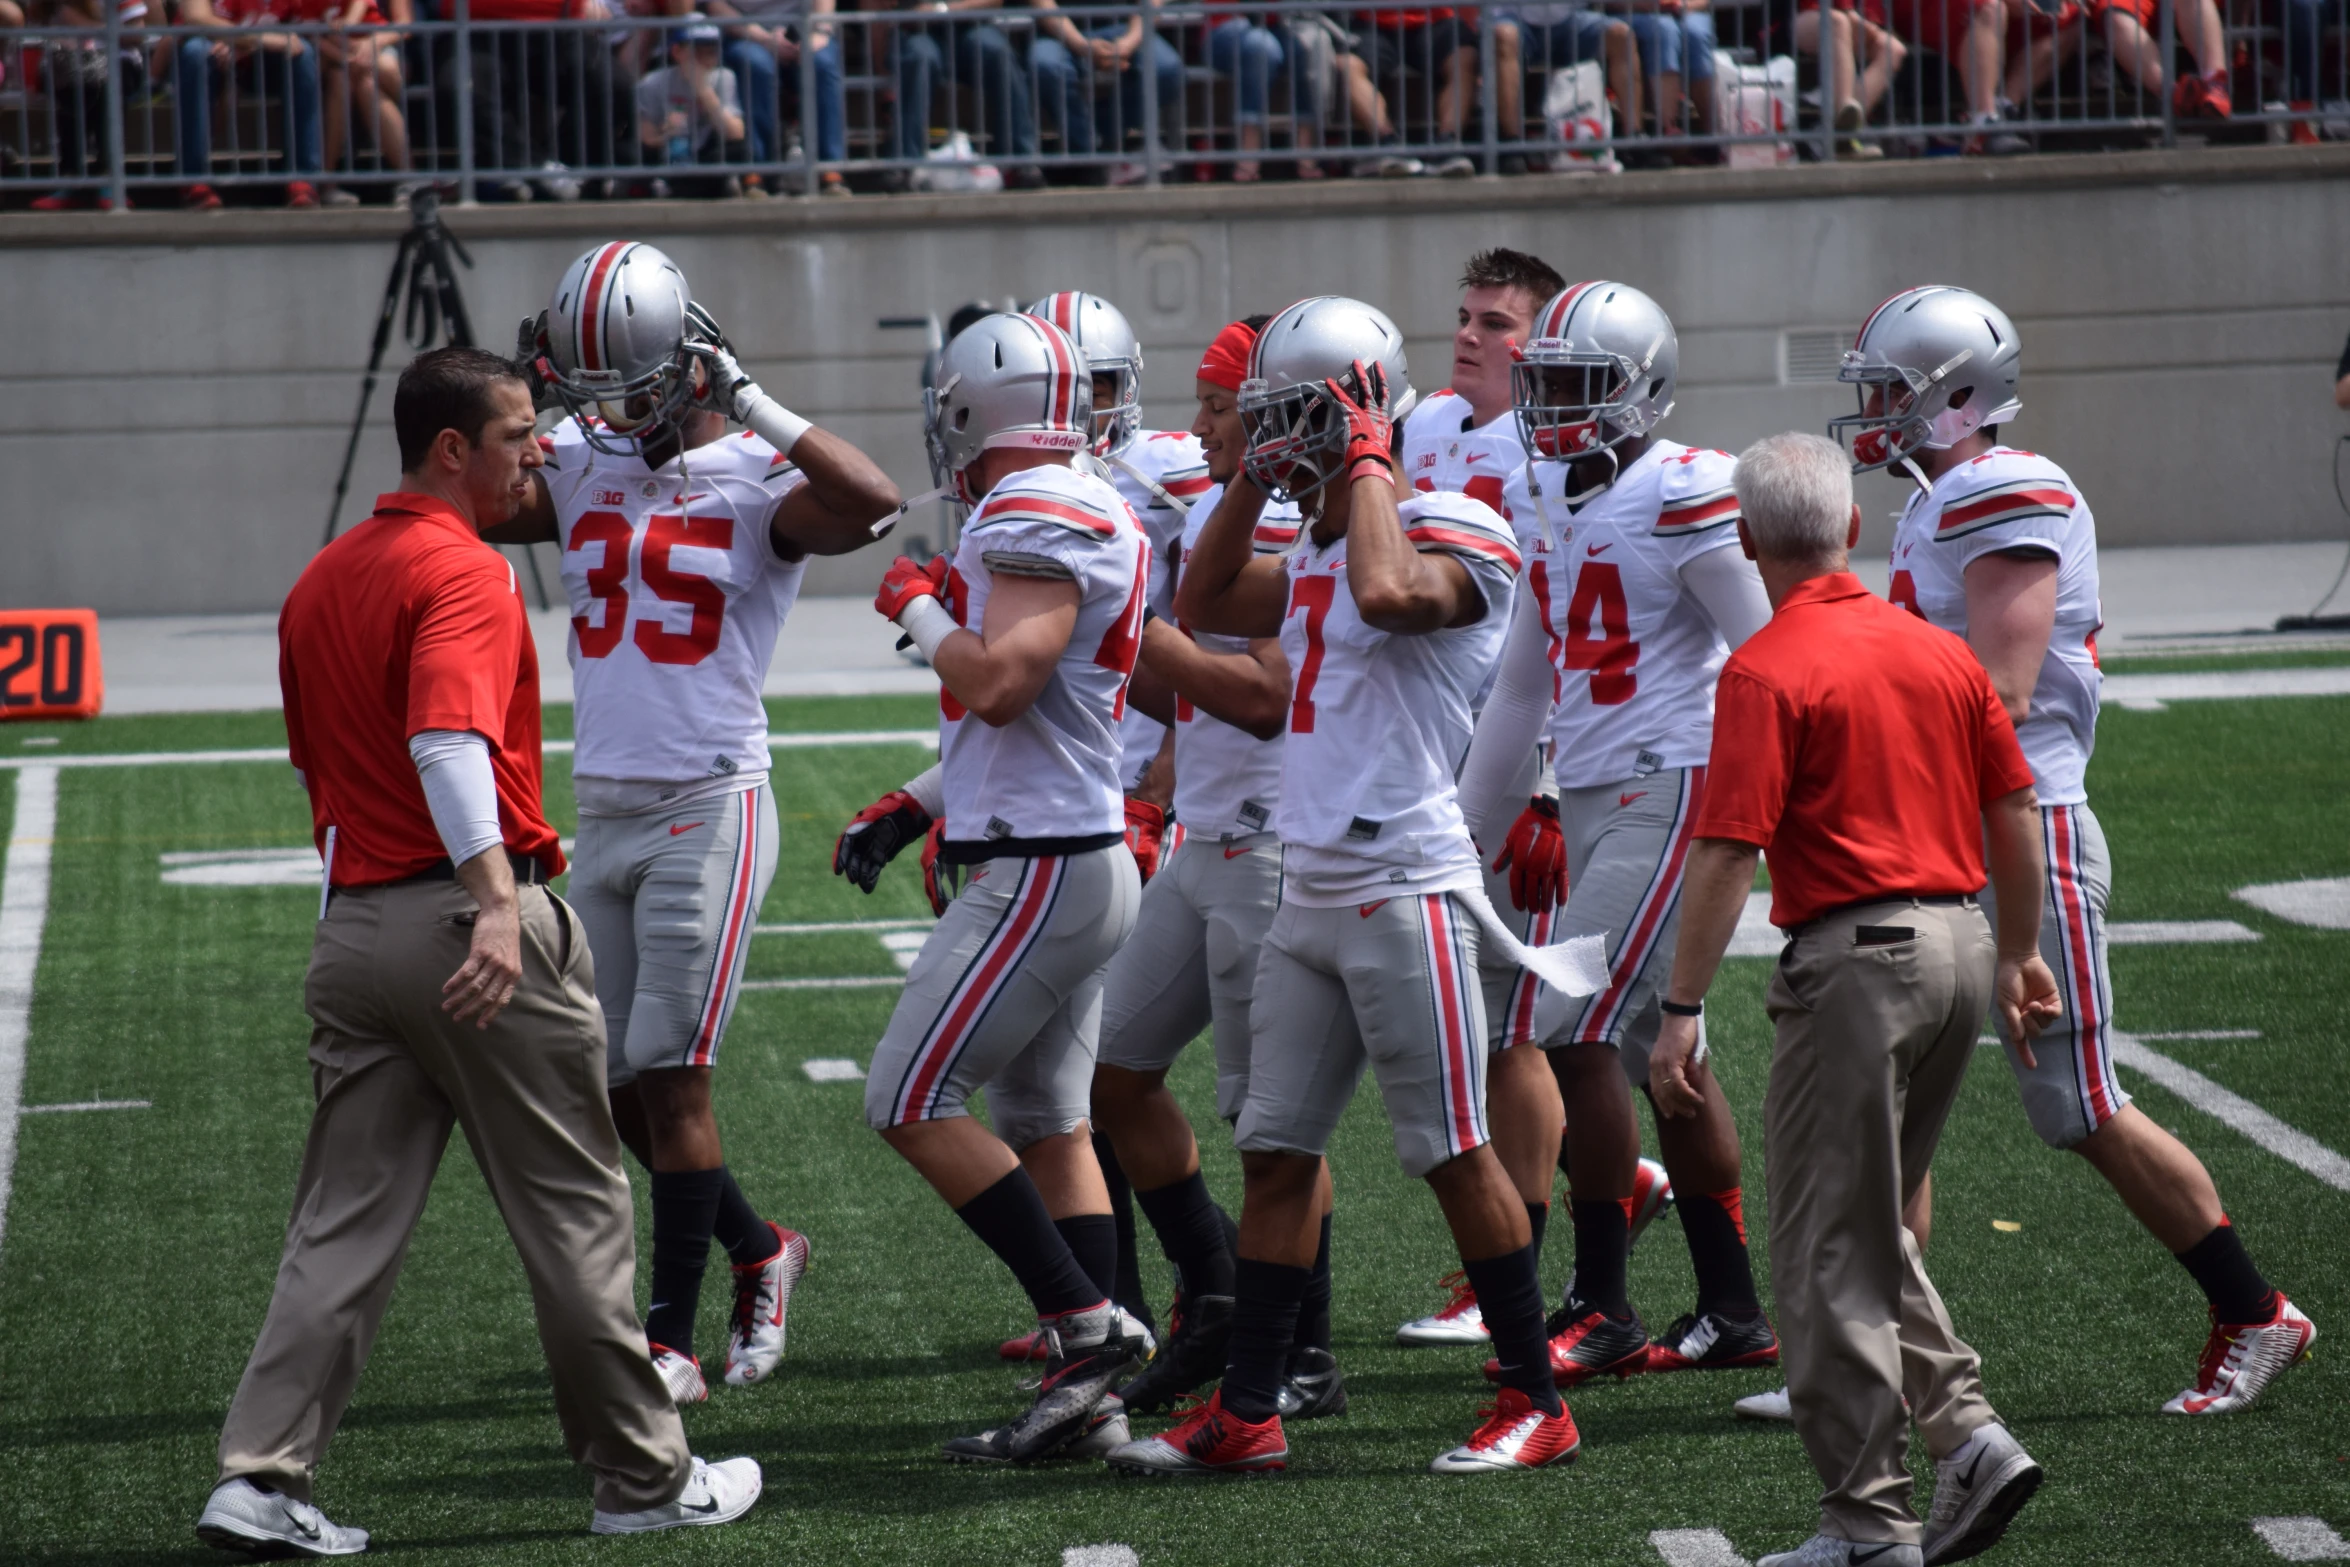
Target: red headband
<point>1225,364</point>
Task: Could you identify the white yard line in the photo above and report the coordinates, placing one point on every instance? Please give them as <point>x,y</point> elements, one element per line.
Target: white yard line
<point>832,1069</point>
<point>2155,933</point>
<point>2302,1539</point>
<point>851,982</point>
<point>836,927</point>
<point>1100,1556</point>
<point>90,1104</point>
<point>24,909</point>
<point>818,741</point>
<point>2225,684</point>
<point>2287,1143</point>
<point>1696,1548</point>
<point>2204,1033</point>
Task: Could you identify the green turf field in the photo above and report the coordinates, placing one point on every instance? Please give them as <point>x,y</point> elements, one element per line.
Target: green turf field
<point>140,1245</point>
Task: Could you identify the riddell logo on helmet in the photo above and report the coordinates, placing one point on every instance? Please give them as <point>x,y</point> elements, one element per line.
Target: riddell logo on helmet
<point>1058,440</point>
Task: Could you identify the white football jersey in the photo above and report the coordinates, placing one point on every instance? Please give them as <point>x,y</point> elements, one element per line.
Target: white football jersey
<point>1444,449</point>
<point>1227,781</point>
<point>2004,500</point>
<point>1172,460</point>
<point>1379,723</point>
<point>1636,655</point>
<point>1051,773</point>
<point>676,598</point>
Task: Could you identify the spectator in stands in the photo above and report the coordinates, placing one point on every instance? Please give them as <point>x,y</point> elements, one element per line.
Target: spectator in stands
<point>2129,27</point>
<point>1860,55</point>
<point>1975,45</point>
<point>544,103</point>
<point>244,54</point>
<point>1676,40</point>
<point>983,59</point>
<point>361,83</point>
<point>763,53</point>
<point>1249,50</point>
<point>1558,37</point>
<point>1440,48</point>
<point>1077,65</point>
<point>76,71</point>
<point>690,111</point>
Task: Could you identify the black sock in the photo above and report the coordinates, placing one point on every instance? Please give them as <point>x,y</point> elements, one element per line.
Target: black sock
<point>749,1240</point>
<point>1603,1242</point>
<point>1093,1241</point>
<point>685,1202</point>
<point>1190,1228</point>
<point>1538,1220</point>
<point>1264,1322</point>
<point>1509,1294</point>
<point>1009,1216</point>
<point>1313,1310</point>
<point>1714,1224</point>
<point>2230,1282</point>
<point>1128,1280</point>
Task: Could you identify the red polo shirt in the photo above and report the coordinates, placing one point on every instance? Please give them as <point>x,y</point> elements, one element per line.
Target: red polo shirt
<point>408,622</point>
<point>1857,745</point>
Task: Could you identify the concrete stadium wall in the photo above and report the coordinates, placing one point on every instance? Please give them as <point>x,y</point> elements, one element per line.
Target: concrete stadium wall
<point>175,389</point>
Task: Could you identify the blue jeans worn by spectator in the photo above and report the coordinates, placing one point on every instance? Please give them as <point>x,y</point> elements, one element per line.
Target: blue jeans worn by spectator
<point>287,85</point>
<point>1680,46</point>
<point>983,55</point>
<point>1575,37</point>
<point>2302,33</point>
<point>1069,87</point>
<point>760,76</point>
<point>1250,53</point>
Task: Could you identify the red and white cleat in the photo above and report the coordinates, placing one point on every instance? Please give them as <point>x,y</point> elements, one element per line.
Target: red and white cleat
<point>1585,1343</point>
<point>1515,1435</point>
<point>1208,1440</point>
<point>762,1295</point>
<point>681,1373</point>
<point>1458,1321</point>
<point>1028,1346</point>
<point>2240,1359</point>
<point>1652,1194</point>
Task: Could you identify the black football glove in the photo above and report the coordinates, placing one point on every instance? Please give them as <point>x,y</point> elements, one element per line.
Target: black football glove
<point>875,835</point>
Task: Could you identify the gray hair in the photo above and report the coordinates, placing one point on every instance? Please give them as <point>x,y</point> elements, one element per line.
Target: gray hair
<point>1795,492</point>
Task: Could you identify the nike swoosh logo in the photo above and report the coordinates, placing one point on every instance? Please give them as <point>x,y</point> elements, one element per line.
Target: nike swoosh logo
<point>1234,854</point>
<point>1968,1479</point>
<point>1479,456</point>
<point>711,1506</point>
<point>1594,549</point>
<point>1369,909</point>
<point>1627,799</point>
<point>302,1526</point>
<point>1859,1555</point>
<point>685,827</point>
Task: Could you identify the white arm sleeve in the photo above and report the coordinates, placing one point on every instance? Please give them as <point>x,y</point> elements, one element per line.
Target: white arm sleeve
<point>454,767</point>
<point>1730,591</point>
<point>929,789</point>
<point>1510,726</point>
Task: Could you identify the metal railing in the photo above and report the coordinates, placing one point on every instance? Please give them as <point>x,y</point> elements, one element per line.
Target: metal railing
<point>1130,92</point>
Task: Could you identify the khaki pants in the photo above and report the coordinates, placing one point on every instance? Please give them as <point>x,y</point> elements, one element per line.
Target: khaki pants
<point>391,1072</point>
<point>1873,1043</point>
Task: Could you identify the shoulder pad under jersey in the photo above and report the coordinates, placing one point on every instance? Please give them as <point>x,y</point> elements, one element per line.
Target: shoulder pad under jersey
<point>2002,486</point>
<point>1694,494</point>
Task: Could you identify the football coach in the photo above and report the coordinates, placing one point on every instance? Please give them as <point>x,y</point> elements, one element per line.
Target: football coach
<point>1868,754</point>
<point>446,985</point>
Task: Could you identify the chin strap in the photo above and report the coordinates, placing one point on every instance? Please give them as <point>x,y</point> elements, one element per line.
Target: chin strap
<point>1909,465</point>
<point>880,530</point>
<point>1615,471</point>
<point>1179,507</point>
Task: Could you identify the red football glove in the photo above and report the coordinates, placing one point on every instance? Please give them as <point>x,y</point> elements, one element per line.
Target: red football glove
<point>932,887</point>
<point>1370,434</point>
<point>1535,855</point>
<point>905,582</point>
<point>875,835</point>
<point>1146,829</point>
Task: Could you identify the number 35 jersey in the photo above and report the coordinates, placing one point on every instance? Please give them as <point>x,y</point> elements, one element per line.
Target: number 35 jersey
<point>676,595</point>
<point>2004,500</point>
<point>1636,656</point>
<point>1379,722</point>
<point>1052,772</point>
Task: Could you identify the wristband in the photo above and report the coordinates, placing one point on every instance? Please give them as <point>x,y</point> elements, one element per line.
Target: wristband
<point>1376,465</point>
<point>773,423</point>
<point>1676,1009</point>
<point>927,623</point>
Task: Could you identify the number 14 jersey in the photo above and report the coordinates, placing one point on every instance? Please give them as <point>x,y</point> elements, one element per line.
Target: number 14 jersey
<point>676,595</point>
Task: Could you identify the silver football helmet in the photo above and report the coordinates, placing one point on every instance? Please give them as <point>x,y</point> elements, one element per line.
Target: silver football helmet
<point>619,340</point>
<point>1295,431</point>
<point>1601,370</point>
<point>1100,331</point>
<point>1940,363</point>
<point>1005,380</point>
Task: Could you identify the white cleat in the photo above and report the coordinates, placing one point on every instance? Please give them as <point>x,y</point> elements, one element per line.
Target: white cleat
<point>241,1516</point>
<point>1459,1322</point>
<point>681,1373</point>
<point>2240,1359</point>
<point>714,1493</point>
<point>1773,1405</point>
<point>762,1296</point>
<point>1105,1432</point>
<point>1978,1490</point>
<point>1825,1550</point>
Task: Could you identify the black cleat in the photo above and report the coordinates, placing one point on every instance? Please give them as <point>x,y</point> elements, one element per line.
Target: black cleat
<point>1314,1388</point>
<point>1192,1357</point>
<point>1089,1351</point>
<point>1704,1341</point>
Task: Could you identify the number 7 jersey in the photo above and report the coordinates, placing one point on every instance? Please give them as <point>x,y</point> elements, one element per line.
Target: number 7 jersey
<point>677,596</point>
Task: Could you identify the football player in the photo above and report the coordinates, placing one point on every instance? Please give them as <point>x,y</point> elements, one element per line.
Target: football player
<point>1193,959</point>
<point>1998,546</point>
<point>1633,597</point>
<point>683,550</point>
<point>1033,627</point>
<point>1388,617</point>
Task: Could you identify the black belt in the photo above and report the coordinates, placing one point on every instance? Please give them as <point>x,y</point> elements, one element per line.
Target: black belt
<point>527,872</point>
<point>1941,899</point>
<point>973,851</point>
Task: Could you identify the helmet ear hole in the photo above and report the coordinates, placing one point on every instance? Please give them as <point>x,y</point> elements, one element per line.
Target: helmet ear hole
<point>1958,399</point>
<point>999,356</point>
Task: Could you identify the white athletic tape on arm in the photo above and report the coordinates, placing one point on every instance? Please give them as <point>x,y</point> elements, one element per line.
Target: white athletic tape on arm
<point>926,620</point>
<point>454,767</point>
<point>1574,967</point>
<point>773,423</point>
<point>929,789</point>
